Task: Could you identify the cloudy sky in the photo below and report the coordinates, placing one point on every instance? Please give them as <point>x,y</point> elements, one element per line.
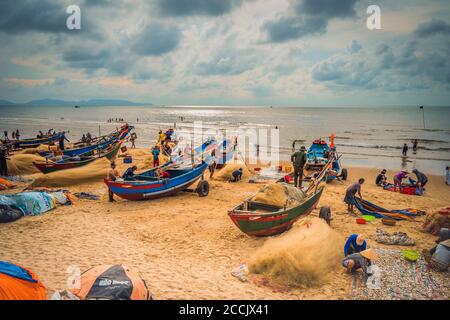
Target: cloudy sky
<point>227,52</point>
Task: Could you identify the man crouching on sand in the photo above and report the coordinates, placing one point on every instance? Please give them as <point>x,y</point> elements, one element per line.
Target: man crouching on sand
<point>361,260</point>
<point>112,176</point>
<point>351,193</point>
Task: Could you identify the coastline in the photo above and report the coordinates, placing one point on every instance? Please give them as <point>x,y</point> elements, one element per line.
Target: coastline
<point>185,247</point>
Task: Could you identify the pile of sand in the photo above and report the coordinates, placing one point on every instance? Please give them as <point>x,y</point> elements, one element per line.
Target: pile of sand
<point>21,164</point>
<point>93,172</point>
<point>304,256</point>
<point>280,195</point>
<point>225,174</point>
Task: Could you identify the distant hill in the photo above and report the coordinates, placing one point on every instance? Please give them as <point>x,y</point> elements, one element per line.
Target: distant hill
<point>6,103</point>
<point>91,102</point>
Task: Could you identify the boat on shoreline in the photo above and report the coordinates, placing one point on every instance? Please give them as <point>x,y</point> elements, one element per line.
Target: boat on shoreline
<point>87,150</point>
<point>34,142</point>
<point>176,175</point>
<point>49,166</point>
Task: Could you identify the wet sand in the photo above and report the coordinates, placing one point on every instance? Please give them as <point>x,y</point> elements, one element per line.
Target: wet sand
<point>184,246</point>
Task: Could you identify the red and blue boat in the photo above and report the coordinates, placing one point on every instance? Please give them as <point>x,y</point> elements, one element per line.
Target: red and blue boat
<point>167,179</point>
<point>100,145</point>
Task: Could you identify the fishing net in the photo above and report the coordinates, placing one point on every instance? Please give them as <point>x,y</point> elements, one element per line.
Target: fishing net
<point>226,173</point>
<point>304,256</point>
<point>95,171</point>
<point>21,164</point>
<point>280,195</point>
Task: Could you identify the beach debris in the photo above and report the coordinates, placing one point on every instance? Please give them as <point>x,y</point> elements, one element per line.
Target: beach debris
<point>399,279</point>
<point>86,196</point>
<point>397,238</point>
<point>434,221</point>
<point>63,295</point>
<point>241,272</point>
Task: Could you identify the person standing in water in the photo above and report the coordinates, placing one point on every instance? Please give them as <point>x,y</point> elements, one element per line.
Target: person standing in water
<point>415,143</point>
<point>405,150</point>
<point>298,161</point>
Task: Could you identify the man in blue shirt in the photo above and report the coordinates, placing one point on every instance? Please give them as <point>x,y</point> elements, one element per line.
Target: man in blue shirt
<point>129,174</point>
<point>354,244</point>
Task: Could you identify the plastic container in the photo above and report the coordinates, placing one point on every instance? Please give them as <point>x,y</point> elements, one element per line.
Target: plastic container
<point>411,255</point>
<point>128,160</point>
<point>368,218</point>
<point>388,222</point>
<point>361,221</point>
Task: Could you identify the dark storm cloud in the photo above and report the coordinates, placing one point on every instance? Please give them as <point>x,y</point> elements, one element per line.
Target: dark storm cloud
<point>23,15</point>
<point>289,28</point>
<point>86,58</point>
<point>157,39</point>
<point>197,7</point>
<point>432,28</point>
<point>308,17</point>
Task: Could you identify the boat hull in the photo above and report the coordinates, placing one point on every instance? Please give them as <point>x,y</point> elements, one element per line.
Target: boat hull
<point>33,143</point>
<point>269,224</point>
<point>140,190</point>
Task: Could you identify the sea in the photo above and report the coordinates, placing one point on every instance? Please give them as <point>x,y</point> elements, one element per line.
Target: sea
<point>364,136</point>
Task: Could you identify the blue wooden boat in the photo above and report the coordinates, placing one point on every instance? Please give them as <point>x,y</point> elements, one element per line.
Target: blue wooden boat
<point>35,142</point>
<point>110,139</point>
<point>152,184</point>
<point>320,154</point>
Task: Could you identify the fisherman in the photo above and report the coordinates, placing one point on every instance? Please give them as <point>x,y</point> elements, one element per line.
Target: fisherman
<point>133,138</point>
<point>422,179</point>
<point>351,193</point>
<point>405,150</point>
<point>398,179</point>
<point>155,153</point>
<point>17,134</point>
<point>83,138</point>
<point>213,164</point>
<point>13,135</point>
<point>298,161</point>
<point>112,176</point>
<point>3,162</point>
<point>162,136</point>
<point>415,143</point>
<point>88,138</point>
<point>354,244</point>
<point>5,134</point>
<point>381,178</point>
<point>361,260</point>
<point>41,134</point>
<point>129,173</point>
<point>237,175</point>
<point>62,138</point>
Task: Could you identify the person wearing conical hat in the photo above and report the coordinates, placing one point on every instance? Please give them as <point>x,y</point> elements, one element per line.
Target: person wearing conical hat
<point>361,260</point>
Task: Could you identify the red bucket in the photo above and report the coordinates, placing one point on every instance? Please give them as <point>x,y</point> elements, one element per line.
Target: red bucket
<point>361,221</point>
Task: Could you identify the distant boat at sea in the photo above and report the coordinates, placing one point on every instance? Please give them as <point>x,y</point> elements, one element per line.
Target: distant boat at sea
<point>77,107</point>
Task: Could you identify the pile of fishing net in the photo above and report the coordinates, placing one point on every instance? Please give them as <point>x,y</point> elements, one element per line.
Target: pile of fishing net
<point>280,195</point>
<point>93,172</point>
<point>226,173</point>
<point>304,256</point>
<point>40,148</point>
<point>21,164</point>
<point>434,221</point>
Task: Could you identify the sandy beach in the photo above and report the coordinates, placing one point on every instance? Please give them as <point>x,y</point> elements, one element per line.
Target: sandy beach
<point>184,246</point>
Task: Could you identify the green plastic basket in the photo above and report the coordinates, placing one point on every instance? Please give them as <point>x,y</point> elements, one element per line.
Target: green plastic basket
<point>411,255</point>
<point>368,218</point>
